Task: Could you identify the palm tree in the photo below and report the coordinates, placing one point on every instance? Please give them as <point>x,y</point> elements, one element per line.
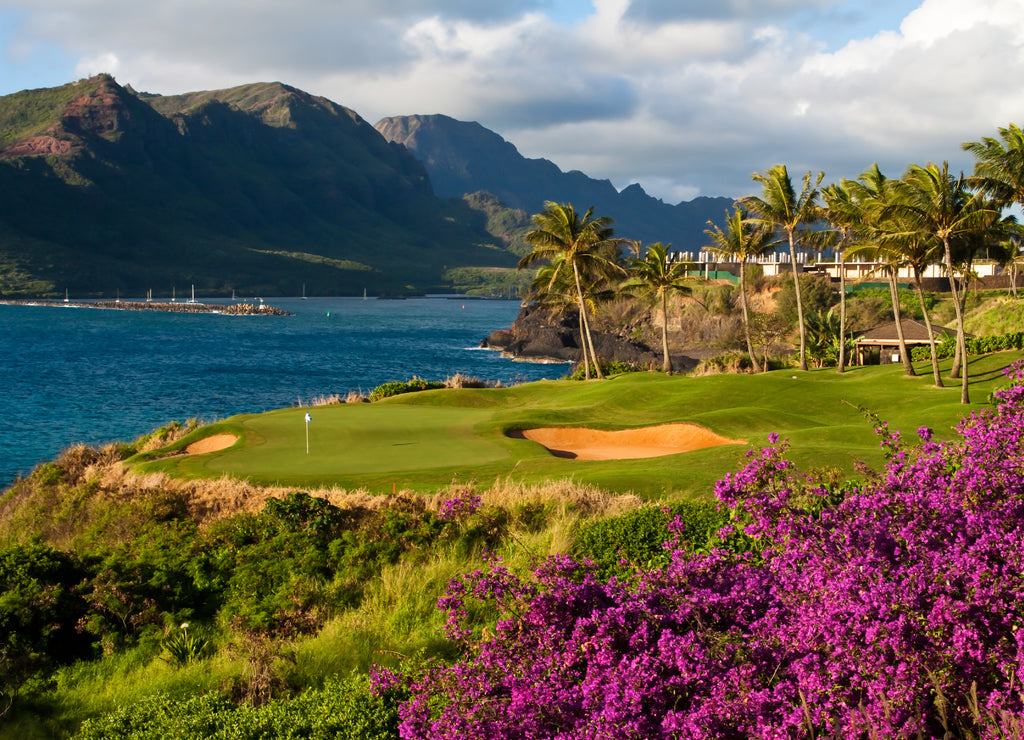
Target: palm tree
<point>1006,253</point>
<point>655,276</point>
<point>554,287</point>
<point>779,207</point>
<point>917,251</point>
<point>741,240</point>
<point>999,166</point>
<point>939,207</point>
<point>842,213</point>
<point>867,208</point>
<point>999,173</point>
<point>574,244</point>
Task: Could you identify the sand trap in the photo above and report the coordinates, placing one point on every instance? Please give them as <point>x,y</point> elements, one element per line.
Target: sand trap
<point>211,444</point>
<point>581,443</point>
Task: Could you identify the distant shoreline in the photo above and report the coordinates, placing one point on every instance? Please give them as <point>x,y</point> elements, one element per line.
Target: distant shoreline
<point>235,309</point>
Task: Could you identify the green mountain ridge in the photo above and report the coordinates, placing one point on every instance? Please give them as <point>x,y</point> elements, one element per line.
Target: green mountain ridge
<point>260,188</point>
<point>464,157</point>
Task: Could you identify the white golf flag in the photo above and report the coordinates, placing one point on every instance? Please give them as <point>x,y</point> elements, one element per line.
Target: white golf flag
<point>307,417</point>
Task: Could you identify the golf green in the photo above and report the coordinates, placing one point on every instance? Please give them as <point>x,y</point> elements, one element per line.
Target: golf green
<point>427,440</point>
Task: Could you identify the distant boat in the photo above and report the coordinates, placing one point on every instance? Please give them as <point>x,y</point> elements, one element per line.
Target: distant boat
<point>173,295</point>
<point>193,298</point>
<point>65,295</point>
<point>303,291</point>
<point>364,294</point>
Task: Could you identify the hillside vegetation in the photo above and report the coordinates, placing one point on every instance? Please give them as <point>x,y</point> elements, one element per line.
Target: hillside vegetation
<point>258,189</point>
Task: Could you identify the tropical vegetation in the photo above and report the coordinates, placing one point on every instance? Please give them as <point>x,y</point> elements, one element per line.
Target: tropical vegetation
<point>845,582</point>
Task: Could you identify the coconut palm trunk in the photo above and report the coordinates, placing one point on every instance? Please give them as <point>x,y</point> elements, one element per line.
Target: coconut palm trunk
<point>841,363</point>
<point>898,318</point>
<point>746,318</point>
<point>587,339</point>
<point>936,375</point>
<point>799,304</point>
<point>960,338</point>
<point>666,363</point>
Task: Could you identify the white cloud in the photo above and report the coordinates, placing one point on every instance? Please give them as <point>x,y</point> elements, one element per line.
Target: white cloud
<point>686,98</point>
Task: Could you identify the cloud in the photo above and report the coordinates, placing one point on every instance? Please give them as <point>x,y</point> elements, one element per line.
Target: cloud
<point>685,98</point>
<point>655,12</point>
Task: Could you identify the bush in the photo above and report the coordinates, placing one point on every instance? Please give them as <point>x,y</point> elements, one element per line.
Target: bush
<point>344,709</point>
<point>40,610</point>
<point>622,544</point>
<point>385,390</point>
<point>729,362</point>
<point>975,346</point>
<point>609,368</point>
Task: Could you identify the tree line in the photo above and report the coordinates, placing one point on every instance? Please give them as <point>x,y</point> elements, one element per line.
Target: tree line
<point>927,216</point>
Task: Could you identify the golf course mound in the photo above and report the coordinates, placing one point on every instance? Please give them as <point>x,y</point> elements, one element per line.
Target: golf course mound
<point>214,443</point>
<point>581,443</point>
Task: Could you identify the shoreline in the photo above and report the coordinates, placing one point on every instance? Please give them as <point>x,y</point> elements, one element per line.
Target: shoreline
<point>235,309</point>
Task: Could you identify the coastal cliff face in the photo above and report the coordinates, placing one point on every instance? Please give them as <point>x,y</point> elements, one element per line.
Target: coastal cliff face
<point>541,334</point>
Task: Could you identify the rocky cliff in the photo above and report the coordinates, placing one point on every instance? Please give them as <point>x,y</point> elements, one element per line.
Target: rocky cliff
<point>541,334</point>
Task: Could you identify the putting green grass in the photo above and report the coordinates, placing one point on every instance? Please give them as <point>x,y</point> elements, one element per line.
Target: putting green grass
<point>428,440</point>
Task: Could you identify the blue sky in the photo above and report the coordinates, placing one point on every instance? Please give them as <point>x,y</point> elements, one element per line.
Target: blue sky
<point>686,97</point>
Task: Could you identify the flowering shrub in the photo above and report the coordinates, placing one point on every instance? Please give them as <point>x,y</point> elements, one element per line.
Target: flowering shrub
<point>890,609</point>
<point>458,508</point>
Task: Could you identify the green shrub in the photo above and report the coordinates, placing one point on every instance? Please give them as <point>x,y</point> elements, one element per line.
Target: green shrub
<point>346,709</point>
<point>975,346</point>
<point>394,388</point>
<point>182,647</point>
<point>40,609</point>
<point>610,368</point>
<point>635,540</point>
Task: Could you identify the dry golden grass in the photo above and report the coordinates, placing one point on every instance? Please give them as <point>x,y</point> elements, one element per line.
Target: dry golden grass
<point>467,381</point>
<point>212,499</point>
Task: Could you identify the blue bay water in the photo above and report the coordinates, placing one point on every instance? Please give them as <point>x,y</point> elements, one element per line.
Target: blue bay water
<point>71,375</point>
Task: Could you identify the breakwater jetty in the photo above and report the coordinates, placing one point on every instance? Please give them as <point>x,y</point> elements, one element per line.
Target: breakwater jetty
<point>233,309</point>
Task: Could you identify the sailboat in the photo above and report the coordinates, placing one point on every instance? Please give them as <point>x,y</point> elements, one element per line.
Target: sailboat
<point>303,291</point>
<point>173,295</point>
<point>193,298</point>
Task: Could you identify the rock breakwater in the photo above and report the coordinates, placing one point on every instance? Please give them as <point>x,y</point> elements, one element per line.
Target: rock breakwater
<point>234,309</point>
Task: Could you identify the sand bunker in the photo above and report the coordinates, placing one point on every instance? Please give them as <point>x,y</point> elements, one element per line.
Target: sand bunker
<point>211,444</point>
<point>593,444</point>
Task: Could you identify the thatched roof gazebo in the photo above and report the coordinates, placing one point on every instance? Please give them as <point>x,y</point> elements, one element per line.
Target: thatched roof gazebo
<point>881,345</point>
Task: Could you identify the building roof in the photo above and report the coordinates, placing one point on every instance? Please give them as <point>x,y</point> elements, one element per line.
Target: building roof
<point>914,332</point>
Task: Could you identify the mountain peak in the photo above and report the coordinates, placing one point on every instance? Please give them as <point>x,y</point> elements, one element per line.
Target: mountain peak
<point>464,157</point>
<point>55,121</point>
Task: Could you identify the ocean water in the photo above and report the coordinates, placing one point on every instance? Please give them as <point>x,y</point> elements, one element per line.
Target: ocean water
<point>71,375</point>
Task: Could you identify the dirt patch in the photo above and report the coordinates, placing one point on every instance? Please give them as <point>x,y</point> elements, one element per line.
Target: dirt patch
<point>580,443</point>
<point>211,444</point>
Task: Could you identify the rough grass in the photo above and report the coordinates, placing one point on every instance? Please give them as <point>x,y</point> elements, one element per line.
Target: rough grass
<point>396,618</point>
<point>995,317</point>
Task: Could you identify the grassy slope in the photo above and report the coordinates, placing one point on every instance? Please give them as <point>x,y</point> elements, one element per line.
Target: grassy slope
<point>424,441</point>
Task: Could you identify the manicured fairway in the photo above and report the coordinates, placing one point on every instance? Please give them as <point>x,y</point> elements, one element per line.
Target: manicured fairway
<point>426,440</point>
